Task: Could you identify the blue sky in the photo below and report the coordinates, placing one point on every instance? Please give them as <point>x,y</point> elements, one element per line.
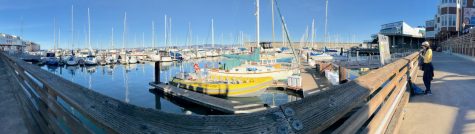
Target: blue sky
<point>348,19</point>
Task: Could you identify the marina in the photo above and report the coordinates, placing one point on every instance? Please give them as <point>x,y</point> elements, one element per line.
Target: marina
<point>259,66</point>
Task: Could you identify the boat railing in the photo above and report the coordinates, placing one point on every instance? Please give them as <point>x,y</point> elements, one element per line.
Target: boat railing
<point>371,104</point>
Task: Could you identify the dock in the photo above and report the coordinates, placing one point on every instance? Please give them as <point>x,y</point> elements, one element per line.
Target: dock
<point>215,103</point>
<point>312,80</point>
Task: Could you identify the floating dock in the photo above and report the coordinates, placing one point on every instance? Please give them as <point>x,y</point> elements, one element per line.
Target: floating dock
<point>215,103</point>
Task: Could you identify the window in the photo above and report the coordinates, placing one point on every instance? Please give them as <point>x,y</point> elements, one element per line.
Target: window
<point>443,20</point>
<point>464,3</point>
<point>452,20</point>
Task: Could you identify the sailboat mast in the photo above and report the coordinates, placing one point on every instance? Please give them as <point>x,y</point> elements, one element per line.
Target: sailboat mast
<point>257,24</point>
<point>326,20</point>
<point>169,32</point>
<point>212,33</point>
<point>143,40</point>
<point>72,27</point>
<point>222,38</point>
<point>306,37</point>
<point>153,34</point>
<point>188,40</point>
<point>123,34</point>
<point>112,34</point>
<point>54,32</point>
<point>273,33</point>
<point>283,35</point>
<point>242,39</point>
<point>89,29</point>
<point>165,40</point>
<point>313,33</point>
<point>59,36</point>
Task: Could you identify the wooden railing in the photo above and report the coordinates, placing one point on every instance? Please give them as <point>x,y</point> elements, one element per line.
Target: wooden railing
<point>464,44</point>
<point>371,103</point>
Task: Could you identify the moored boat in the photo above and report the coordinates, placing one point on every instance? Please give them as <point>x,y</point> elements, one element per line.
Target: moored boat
<point>224,85</point>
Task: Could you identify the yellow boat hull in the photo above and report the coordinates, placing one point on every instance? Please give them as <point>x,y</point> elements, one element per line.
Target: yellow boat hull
<point>237,86</point>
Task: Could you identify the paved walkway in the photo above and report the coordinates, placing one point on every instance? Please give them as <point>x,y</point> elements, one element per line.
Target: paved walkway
<point>11,116</point>
<point>451,108</point>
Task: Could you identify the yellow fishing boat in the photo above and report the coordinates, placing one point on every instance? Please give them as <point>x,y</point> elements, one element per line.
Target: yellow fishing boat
<point>225,85</point>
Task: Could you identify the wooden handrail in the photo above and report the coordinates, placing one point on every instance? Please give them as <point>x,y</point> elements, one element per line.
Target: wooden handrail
<point>67,106</point>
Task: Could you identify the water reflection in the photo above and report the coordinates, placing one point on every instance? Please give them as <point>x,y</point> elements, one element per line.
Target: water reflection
<point>129,83</point>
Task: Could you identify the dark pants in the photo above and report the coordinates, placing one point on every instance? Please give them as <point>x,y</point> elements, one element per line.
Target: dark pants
<point>428,75</point>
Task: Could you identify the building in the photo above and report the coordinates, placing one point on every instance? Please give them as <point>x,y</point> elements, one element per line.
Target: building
<point>468,15</point>
<point>430,30</point>
<point>453,18</point>
<point>32,47</point>
<point>11,43</point>
<point>448,19</point>
<point>402,35</point>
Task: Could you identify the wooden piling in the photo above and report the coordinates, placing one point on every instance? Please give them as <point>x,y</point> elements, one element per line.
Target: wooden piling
<point>342,74</point>
<point>157,72</point>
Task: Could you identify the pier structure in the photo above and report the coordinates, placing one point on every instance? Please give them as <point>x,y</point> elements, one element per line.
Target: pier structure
<point>371,103</point>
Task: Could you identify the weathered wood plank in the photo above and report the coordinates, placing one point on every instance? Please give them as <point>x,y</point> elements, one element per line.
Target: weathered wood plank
<point>352,124</point>
<point>377,125</point>
<point>393,127</point>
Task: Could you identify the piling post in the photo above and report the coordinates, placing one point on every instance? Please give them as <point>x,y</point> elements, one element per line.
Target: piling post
<point>157,72</point>
<point>308,55</point>
<point>342,74</point>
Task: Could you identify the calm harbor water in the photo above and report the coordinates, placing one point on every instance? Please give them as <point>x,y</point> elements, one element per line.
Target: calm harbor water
<point>129,83</point>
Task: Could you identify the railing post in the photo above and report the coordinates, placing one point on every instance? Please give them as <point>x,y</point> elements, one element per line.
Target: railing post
<point>157,72</point>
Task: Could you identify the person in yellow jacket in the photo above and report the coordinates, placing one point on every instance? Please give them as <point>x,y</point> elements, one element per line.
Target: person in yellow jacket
<point>427,66</point>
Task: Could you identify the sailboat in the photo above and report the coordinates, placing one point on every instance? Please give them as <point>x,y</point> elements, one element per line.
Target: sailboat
<point>72,60</point>
<point>50,58</point>
<point>123,53</point>
<point>256,65</point>
<point>153,54</point>
<point>164,54</point>
<point>90,58</point>
<point>230,85</point>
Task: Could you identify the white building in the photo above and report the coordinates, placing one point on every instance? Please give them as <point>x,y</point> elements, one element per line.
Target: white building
<point>11,43</point>
<point>402,35</point>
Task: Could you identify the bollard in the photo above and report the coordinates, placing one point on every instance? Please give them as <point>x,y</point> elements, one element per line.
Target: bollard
<point>157,72</point>
<point>342,74</point>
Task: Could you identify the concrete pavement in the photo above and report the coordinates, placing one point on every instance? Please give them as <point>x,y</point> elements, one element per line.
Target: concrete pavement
<point>11,114</point>
<point>451,108</point>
